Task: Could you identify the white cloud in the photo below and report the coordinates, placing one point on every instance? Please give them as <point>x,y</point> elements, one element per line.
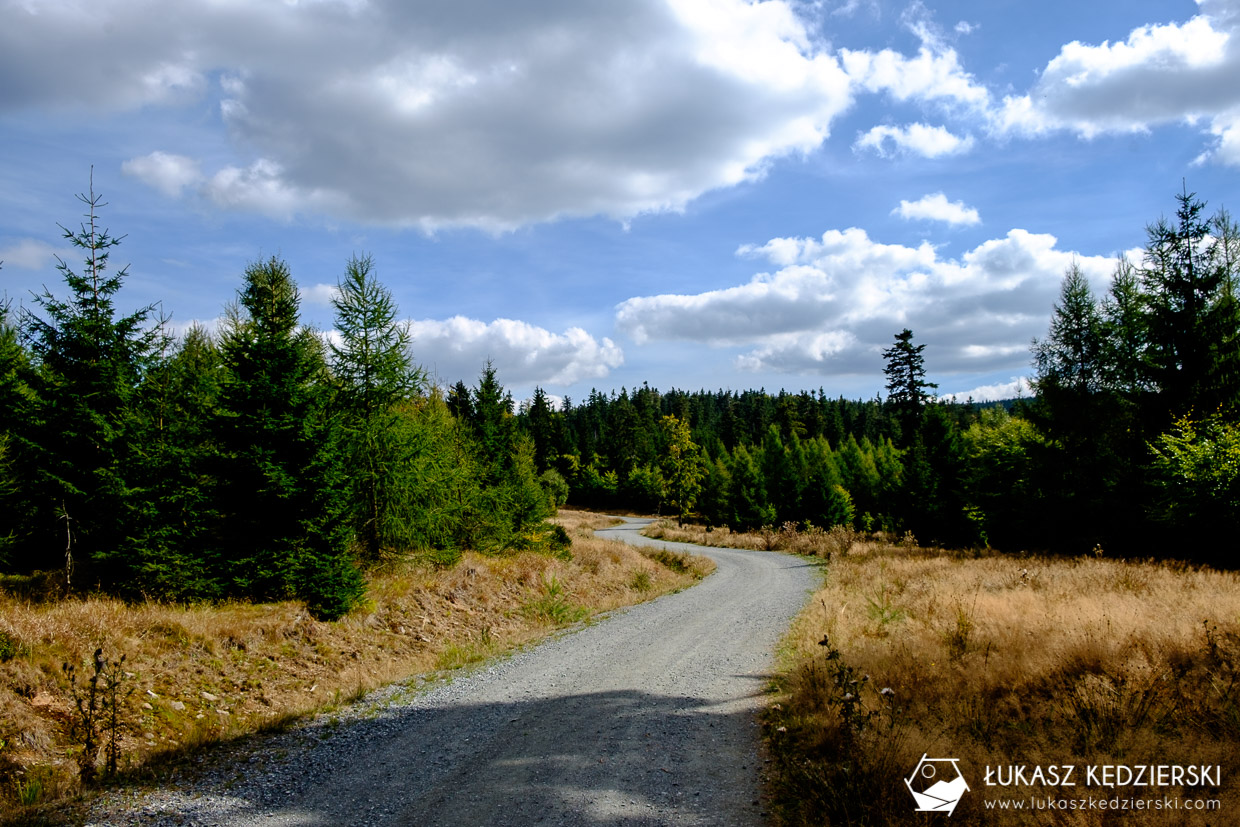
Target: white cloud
<point>170,174</point>
<point>1016,387</point>
<point>835,302</point>
<point>936,207</point>
<point>1166,73</point>
<point>523,354</point>
<point>490,114</point>
<point>319,294</point>
<point>917,139</point>
<point>933,75</point>
<point>30,254</point>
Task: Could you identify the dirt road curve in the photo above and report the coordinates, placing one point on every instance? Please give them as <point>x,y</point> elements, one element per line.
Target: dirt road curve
<point>645,718</point>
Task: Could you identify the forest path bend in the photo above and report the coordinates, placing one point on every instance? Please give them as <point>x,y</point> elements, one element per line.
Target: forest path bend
<point>646,717</point>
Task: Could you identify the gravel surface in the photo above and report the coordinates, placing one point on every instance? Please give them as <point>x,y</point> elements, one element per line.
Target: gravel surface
<point>644,718</point>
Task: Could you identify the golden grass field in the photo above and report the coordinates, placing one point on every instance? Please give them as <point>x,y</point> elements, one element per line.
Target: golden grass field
<point>999,660</point>
<point>205,673</point>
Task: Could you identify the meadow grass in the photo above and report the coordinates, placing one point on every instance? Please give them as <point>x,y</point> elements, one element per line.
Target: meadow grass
<point>204,673</point>
<point>999,660</point>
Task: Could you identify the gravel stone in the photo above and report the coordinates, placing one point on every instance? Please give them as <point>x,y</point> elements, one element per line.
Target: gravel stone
<point>646,717</point>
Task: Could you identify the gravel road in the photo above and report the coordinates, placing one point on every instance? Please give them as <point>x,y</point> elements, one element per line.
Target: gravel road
<point>644,718</point>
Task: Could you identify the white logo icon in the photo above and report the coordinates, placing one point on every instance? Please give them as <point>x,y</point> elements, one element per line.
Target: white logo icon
<point>936,784</point>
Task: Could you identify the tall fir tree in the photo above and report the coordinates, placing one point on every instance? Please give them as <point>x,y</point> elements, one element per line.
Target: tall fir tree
<point>1186,283</point>
<point>284,530</point>
<point>90,361</point>
<point>375,372</point>
<point>1070,358</point>
<point>907,388</point>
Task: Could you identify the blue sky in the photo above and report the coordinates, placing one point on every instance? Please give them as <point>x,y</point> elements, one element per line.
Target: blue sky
<point>692,193</point>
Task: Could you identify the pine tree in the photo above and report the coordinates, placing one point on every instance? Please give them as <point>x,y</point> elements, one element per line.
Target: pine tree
<point>17,403</point>
<point>1223,377</point>
<point>283,532</point>
<point>541,421</point>
<point>374,372</point>
<point>176,454</point>
<point>493,423</point>
<point>907,388</point>
<point>748,507</point>
<point>1186,285</point>
<point>1071,356</point>
<point>90,363</point>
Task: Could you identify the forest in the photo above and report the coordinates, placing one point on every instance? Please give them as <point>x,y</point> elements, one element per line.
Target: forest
<point>268,460</point>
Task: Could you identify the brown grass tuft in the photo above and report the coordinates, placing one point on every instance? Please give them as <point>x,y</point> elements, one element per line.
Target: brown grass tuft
<point>206,673</point>
<point>998,660</point>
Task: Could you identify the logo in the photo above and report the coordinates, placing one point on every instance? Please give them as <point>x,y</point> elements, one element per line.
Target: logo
<point>936,784</point>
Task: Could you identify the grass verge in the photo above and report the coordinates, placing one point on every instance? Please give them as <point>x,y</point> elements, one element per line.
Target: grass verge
<point>202,674</point>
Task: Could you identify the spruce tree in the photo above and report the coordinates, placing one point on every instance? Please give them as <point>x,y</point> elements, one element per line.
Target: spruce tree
<point>90,361</point>
<point>1070,358</point>
<point>907,388</point>
<point>284,530</point>
<point>1187,287</point>
<point>17,403</point>
<point>374,371</point>
<point>541,424</point>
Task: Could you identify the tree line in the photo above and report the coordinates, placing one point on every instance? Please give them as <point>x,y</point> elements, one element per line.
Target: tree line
<point>267,460</point>
<point>262,461</point>
<point>1129,443</point>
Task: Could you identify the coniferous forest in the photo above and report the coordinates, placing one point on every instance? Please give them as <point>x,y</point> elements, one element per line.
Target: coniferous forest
<point>266,460</point>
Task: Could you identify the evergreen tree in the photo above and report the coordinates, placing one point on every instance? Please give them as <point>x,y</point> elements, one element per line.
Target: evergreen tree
<point>1072,409</point>
<point>541,426</point>
<point>1223,378</point>
<point>1070,357</point>
<point>907,388</point>
<point>747,503</point>
<point>90,363</point>
<point>375,372</point>
<point>1124,326</point>
<point>493,423</point>
<point>176,461</point>
<point>682,468</point>
<point>1186,285</point>
<point>17,403</point>
<point>283,530</point>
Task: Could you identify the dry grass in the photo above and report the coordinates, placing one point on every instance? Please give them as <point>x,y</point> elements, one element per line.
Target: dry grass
<point>998,660</point>
<point>206,673</point>
<point>816,542</point>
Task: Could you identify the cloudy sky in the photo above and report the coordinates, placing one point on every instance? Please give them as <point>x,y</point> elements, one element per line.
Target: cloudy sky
<point>693,193</point>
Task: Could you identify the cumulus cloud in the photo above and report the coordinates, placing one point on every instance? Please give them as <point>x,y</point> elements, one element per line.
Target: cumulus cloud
<point>914,139</point>
<point>481,113</point>
<point>934,74</point>
<point>522,353</point>
<point>834,302</point>
<point>1016,387</point>
<point>170,174</point>
<point>1163,73</point>
<point>936,207</point>
<point>29,254</point>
